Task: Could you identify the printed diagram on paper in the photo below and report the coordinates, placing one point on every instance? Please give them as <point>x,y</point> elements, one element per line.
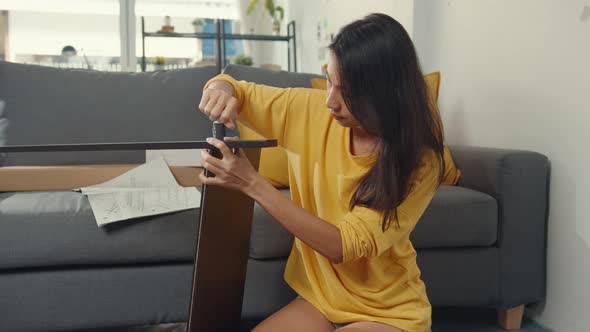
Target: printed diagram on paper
<point>146,190</point>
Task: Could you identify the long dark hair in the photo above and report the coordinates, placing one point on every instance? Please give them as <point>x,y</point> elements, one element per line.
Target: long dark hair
<point>383,87</point>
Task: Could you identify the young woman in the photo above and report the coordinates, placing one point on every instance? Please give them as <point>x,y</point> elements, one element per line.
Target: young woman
<point>364,163</point>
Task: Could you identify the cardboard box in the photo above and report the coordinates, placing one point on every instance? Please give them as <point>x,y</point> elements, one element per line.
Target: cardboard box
<point>43,178</point>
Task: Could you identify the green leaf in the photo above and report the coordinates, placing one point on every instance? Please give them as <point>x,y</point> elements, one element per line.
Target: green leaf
<point>270,6</point>
<point>251,6</point>
<point>281,12</point>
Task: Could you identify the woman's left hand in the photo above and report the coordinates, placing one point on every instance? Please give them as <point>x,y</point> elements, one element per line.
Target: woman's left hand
<point>234,171</point>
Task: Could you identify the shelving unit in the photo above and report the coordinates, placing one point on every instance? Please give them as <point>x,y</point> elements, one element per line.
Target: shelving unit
<point>220,37</point>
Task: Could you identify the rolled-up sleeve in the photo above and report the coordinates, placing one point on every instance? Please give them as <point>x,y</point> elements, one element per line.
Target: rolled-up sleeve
<point>360,229</point>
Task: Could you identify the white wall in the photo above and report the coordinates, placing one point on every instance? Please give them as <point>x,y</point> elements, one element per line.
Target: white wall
<point>332,15</point>
<point>516,74</point>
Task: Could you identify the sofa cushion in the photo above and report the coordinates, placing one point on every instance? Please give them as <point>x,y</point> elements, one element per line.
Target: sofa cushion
<point>456,217</point>
<point>58,228</point>
<point>265,291</point>
<point>268,239</point>
<point>58,106</point>
<point>281,79</point>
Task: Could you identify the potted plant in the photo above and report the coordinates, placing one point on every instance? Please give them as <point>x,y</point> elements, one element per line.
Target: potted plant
<point>198,25</point>
<point>242,59</point>
<point>277,13</point>
<point>159,62</point>
<point>167,27</point>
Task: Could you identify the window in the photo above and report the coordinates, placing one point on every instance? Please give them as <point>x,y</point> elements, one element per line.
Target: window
<point>106,34</point>
<point>62,33</point>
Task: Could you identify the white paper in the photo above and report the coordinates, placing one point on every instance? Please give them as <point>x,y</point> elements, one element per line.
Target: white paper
<point>153,174</point>
<point>146,190</point>
<point>182,157</point>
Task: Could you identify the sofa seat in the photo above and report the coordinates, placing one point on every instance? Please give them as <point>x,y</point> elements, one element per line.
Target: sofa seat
<point>43,229</point>
<point>457,217</point>
<point>57,228</point>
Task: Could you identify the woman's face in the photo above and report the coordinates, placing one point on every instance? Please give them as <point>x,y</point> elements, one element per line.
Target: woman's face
<point>334,101</point>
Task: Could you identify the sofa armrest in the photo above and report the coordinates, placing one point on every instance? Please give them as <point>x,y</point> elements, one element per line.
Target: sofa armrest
<point>519,181</point>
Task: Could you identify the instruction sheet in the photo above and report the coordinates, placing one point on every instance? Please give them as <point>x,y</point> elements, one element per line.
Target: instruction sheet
<point>149,189</point>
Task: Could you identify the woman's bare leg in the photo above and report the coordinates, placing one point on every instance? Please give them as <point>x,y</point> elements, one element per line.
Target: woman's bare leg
<point>299,315</point>
<point>368,327</point>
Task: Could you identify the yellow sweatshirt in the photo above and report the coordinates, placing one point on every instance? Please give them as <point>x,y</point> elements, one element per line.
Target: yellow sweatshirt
<point>379,279</point>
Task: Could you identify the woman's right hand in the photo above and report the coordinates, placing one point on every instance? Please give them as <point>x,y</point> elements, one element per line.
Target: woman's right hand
<point>219,104</point>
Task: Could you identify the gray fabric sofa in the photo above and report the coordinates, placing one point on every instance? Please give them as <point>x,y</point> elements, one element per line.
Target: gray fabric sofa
<point>481,243</point>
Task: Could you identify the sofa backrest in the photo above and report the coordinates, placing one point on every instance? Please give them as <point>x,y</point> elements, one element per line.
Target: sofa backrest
<point>281,79</point>
<point>46,105</point>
